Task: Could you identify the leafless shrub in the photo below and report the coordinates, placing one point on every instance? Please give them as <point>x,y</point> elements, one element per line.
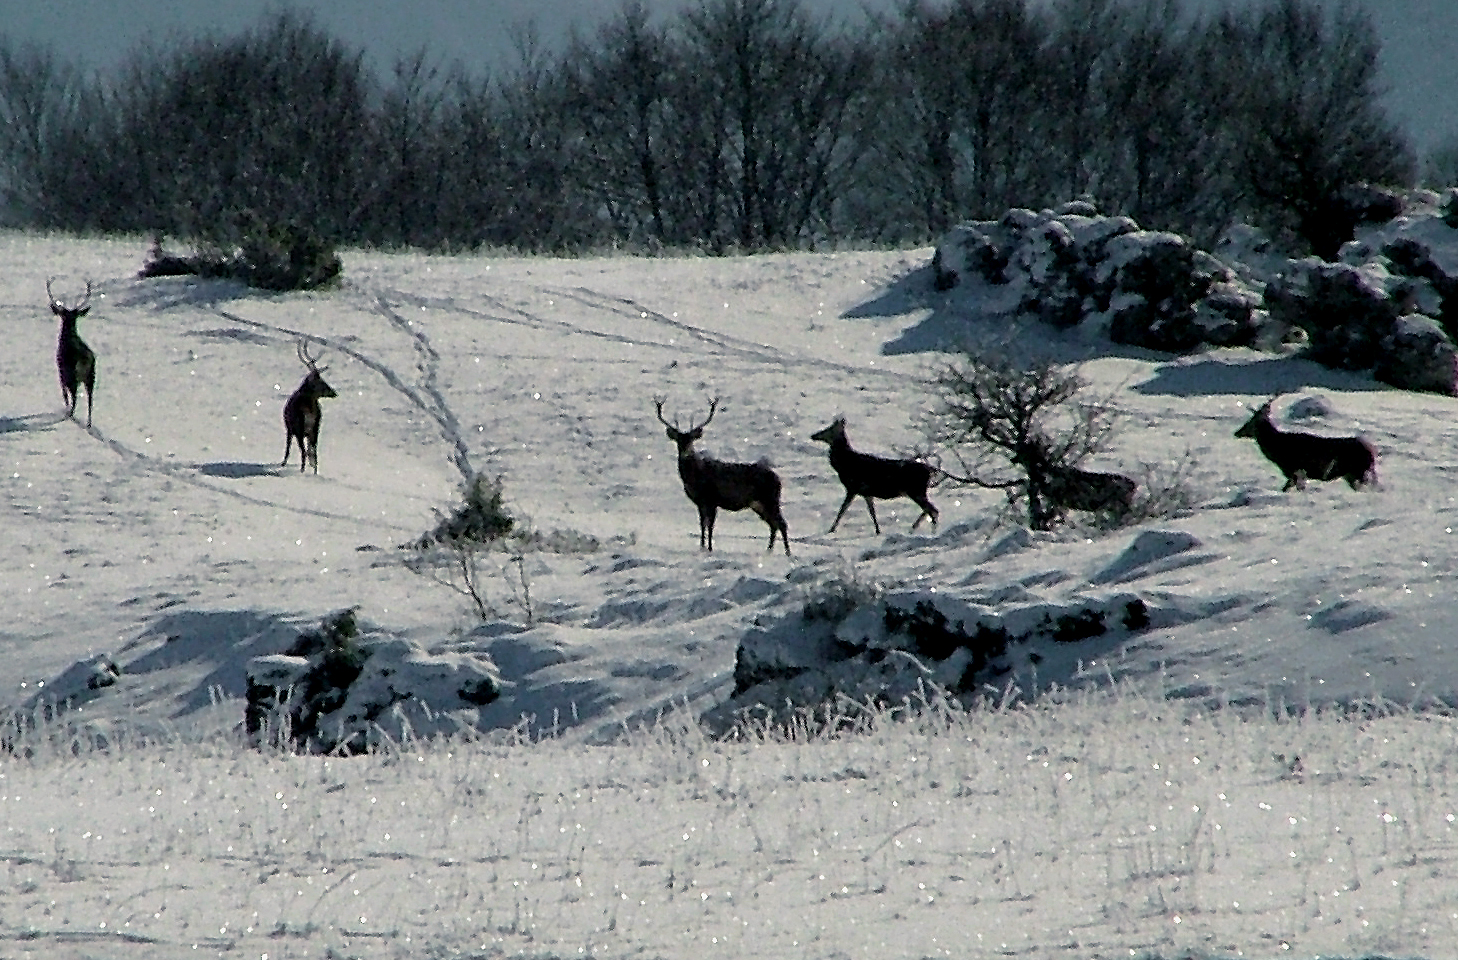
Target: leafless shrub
<point>479,539</point>
<point>1023,429</point>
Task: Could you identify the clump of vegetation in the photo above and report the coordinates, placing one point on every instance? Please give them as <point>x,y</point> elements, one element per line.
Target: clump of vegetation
<point>340,657</point>
<point>480,519</point>
<point>290,715</point>
<point>835,599</point>
<point>455,550</point>
<point>266,257</point>
<point>1082,625</point>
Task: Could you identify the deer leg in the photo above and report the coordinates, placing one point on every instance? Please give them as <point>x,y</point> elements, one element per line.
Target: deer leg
<point>776,521</point>
<point>88,408</point>
<point>706,527</point>
<point>927,510</point>
<point>871,506</point>
<point>845,504</point>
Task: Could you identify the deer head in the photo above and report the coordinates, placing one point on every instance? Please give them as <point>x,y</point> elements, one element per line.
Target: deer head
<point>685,438</point>
<point>69,313</point>
<point>315,379</point>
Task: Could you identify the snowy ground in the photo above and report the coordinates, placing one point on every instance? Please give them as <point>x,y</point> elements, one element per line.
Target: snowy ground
<point>1137,821</point>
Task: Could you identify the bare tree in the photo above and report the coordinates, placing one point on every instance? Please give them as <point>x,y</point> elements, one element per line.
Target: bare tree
<point>1018,428</point>
<point>618,93</point>
<point>1309,123</point>
<point>406,162</point>
<point>782,89</point>
<point>39,97</point>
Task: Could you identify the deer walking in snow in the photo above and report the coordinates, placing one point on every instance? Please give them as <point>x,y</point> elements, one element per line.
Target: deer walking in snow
<point>75,362</point>
<point>713,484</point>
<point>875,478</point>
<point>301,413</point>
<point>1307,456</point>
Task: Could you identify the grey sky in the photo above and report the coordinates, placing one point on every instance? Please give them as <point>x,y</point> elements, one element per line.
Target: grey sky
<point>1420,37</point>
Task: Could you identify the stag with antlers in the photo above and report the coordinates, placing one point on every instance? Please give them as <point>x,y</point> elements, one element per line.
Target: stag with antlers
<point>75,362</point>
<point>712,484</point>
<point>302,413</point>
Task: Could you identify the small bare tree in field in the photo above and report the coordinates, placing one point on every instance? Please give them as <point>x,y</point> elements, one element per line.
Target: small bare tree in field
<point>1023,428</point>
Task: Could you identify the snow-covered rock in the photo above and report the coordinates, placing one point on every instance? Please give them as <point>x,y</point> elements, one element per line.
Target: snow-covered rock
<point>76,686</point>
<point>1073,266</point>
<point>338,693</point>
<point>905,647</point>
<point>1419,355</point>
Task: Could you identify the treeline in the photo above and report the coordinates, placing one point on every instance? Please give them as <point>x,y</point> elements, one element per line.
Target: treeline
<point>735,125</point>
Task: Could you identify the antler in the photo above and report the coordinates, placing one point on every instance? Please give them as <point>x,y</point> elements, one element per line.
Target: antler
<point>85,299</point>
<point>308,361</point>
<point>713,405</point>
<point>658,405</point>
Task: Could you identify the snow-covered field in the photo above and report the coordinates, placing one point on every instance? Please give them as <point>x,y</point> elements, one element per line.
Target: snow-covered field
<point>1128,815</point>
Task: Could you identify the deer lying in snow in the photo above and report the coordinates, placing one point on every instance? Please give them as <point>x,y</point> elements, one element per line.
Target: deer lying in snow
<point>875,478</point>
<point>1306,456</point>
<point>1078,489</point>
<point>712,484</point>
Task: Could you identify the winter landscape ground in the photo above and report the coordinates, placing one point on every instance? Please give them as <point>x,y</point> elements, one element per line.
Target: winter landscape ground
<point>1267,772</point>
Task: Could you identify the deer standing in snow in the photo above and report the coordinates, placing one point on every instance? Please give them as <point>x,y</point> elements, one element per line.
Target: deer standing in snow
<point>301,413</point>
<point>712,484</point>
<point>875,478</point>
<point>75,362</point>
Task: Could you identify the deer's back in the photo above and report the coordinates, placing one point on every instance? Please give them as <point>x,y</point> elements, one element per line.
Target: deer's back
<point>880,477</point>
<point>71,350</point>
<point>733,486</point>
<point>1320,458</point>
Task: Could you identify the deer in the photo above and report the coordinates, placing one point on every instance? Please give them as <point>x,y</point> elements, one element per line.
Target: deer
<point>713,484</point>
<point>301,412</point>
<point>1307,456</point>
<point>1069,487</point>
<point>75,361</point>
<point>1077,489</point>
<point>875,478</point>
